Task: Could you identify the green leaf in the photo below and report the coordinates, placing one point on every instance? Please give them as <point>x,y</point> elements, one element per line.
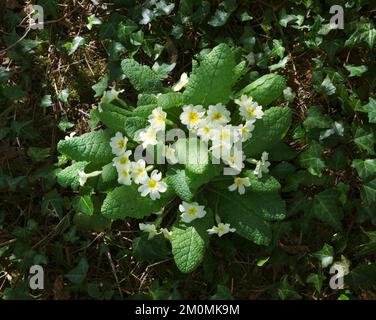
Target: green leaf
<point>68,177</point>
<point>364,139</point>
<point>119,119</point>
<point>193,153</point>
<point>92,147</point>
<point>71,47</point>
<point>364,33</point>
<point>38,154</point>
<point>101,86</point>
<point>189,242</point>
<point>142,77</point>
<point>170,100</point>
<point>46,101</point>
<point>368,192</point>
<point>325,255</point>
<point>365,168</point>
<point>316,280</point>
<point>316,119</point>
<point>327,87</point>
<point>356,71</point>
<point>265,89</point>
<point>63,96</point>
<point>268,131</point>
<point>126,201</point>
<point>219,65</point>
<point>154,249</point>
<point>84,204</point>
<point>250,212</point>
<point>311,159</point>
<point>364,276</point>
<point>326,208</point>
<point>370,108</point>
<point>181,185</point>
<point>78,274</point>
<point>222,13</point>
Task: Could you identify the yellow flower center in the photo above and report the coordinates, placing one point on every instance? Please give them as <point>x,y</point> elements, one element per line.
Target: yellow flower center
<point>123,160</point>
<point>221,229</point>
<point>160,117</point>
<point>238,181</point>
<point>193,117</point>
<point>244,130</point>
<point>152,184</point>
<point>192,211</point>
<point>125,173</point>
<point>217,116</point>
<point>251,112</point>
<point>225,135</point>
<point>139,171</point>
<point>121,144</point>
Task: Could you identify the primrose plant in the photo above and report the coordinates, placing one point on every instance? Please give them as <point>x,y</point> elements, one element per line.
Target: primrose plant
<point>192,162</point>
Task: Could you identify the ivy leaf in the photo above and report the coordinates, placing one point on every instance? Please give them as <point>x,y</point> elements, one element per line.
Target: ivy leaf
<point>371,109</point>
<point>154,249</point>
<point>365,168</point>
<point>325,255</point>
<point>364,32</point>
<point>63,96</point>
<point>189,242</point>
<point>78,274</point>
<point>84,204</point>
<point>311,159</point>
<point>368,192</point>
<point>279,65</point>
<point>100,87</point>
<point>92,147</point>
<point>221,16</point>
<point>71,47</point>
<point>327,87</point>
<point>325,207</point>
<point>356,71</point>
<point>142,77</point>
<point>201,89</point>
<point>46,101</point>
<point>316,119</point>
<point>364,139</point>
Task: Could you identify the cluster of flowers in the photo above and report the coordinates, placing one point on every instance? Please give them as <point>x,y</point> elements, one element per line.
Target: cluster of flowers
<point>189,212</point>
<point>212,126</point>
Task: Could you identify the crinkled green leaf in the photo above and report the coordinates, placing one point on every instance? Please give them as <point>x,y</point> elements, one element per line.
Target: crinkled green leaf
<point>142,77</point>
<point>265,89</point>
<point>268,131</point>
<point>126,201</point>
<point>93,147</point>
<point>211,82</point>
<point>68,177</point>
<point>189,242</point>
<point>249,213</point>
